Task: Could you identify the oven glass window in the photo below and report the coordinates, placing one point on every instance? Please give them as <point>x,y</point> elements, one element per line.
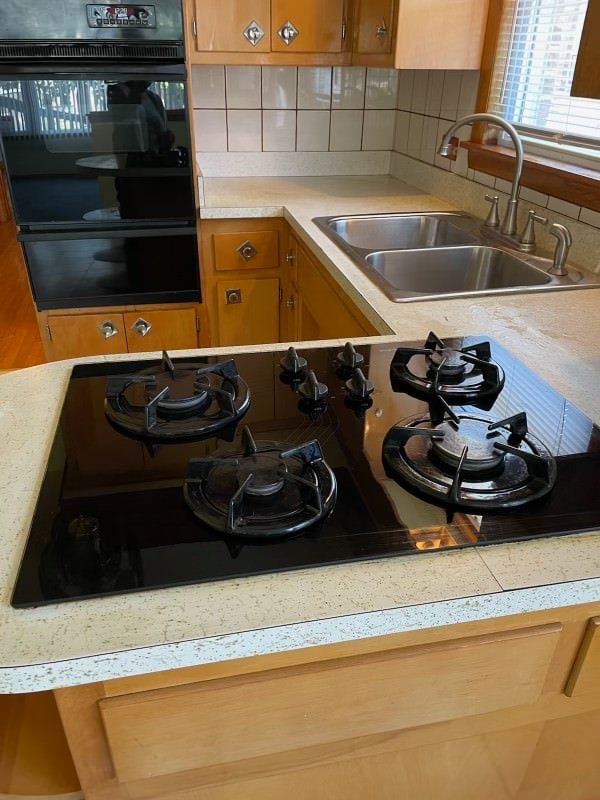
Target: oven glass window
<point>86,150</point>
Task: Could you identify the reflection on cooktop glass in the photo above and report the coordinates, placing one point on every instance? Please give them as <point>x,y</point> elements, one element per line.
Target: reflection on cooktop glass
<point>176,471</point>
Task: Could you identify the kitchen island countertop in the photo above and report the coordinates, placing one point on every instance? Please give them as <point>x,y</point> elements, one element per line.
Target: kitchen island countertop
<point>556,334</point>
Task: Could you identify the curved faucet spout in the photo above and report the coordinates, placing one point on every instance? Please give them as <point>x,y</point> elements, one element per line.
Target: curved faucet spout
<point>509,225</point>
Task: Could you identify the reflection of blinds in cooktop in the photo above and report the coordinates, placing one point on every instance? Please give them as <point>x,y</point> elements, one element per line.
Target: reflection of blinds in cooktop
<point>559,424</point>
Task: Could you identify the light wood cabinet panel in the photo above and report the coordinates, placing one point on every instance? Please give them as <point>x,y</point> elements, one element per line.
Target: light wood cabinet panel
<point>254,316</point>
<point>161,330</point>
<point>447,35</point>
<point>289,325</point>
<point>585,675</point>
<point>320,25</point>
<point>220,25</point>
<point>73,336</point>
<point>374,26</point>
<point>246,250</point>
<point>586,79</point>
<point>218,722</point>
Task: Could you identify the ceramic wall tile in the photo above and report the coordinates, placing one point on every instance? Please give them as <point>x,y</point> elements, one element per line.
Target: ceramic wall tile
<point>378,130</point>
<point>279,130</point>
<point>208,86</point>
<point>381,88</point>
<point>346,130</point>
<point>313,131</point>
<point>590,217</point>
<point>243,87</point>
<point>348,88</point>
<point>244,130</point>
<point>469,86</point>
<point>406,79</point>
<point>211,130</point>
<point>415,135</point>
<point>419,93</point>
<point>562,207</point>
<point>314,88</point>
<point>435,90</point>
<point>451,94</point>
<point>279,87</point>
<point>401,134</point>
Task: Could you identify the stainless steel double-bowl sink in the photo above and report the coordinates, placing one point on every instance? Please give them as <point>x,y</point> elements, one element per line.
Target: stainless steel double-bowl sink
<point>431,256</point>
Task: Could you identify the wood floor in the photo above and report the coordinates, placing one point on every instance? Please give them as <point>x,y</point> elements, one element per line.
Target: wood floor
<point>20,342</point>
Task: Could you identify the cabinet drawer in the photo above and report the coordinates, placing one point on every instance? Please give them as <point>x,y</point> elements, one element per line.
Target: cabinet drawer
<point>161,330</point>
<point>168,731</point>
<point>77,335</point>
<point>246,250</point>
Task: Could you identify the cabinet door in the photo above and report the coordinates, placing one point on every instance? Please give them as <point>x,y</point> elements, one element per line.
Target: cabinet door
<point>374,25</point>
<point>220,25</point>
<point>319,25</point>
<point>73,336</point>
<point>248,311</point>
<point>290,315</point>
<point>161,330</point>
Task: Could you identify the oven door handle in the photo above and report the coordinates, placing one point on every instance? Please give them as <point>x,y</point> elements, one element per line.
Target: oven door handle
<point>105,233</point>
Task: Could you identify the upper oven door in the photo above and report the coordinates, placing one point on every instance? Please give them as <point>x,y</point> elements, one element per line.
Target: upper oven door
<point>78,20</point>
<point>97,147</point>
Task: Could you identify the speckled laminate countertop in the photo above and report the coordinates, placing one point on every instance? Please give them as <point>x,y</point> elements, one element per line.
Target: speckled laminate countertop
<point>558,335</point>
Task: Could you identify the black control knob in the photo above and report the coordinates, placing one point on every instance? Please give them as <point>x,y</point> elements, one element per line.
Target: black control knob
<point>359,387</point>
<point>350,358</point>
<point>312,389</point>
<point>293,362</point>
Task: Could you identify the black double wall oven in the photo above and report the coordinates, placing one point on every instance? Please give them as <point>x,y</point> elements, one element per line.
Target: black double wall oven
<point>95,132</point>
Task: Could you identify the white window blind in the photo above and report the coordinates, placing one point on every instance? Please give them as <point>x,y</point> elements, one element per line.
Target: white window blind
<point>537,51</point>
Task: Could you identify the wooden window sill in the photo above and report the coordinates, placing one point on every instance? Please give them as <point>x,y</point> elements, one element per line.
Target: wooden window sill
<point>578,185</point>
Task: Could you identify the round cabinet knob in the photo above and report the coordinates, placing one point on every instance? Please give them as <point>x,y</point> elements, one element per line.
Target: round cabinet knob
<point>312,389</point>
<point>142,327</point>
<point>108,329</point>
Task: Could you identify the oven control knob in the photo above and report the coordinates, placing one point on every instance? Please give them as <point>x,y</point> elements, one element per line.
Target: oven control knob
<point>350,358</point>
<point>293,362</point>
<point>359,387</point>
<point>312,389</point>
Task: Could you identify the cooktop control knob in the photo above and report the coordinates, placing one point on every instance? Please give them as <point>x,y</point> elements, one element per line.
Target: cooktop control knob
<point>293,362</point>
<point>312,389</point>
<point>359,387</point>
<point>350,358</point>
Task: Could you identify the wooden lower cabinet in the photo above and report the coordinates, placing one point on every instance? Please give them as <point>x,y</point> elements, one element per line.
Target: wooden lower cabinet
<point>475,711</point>
<point>111,331</point>
<point>248,311</point>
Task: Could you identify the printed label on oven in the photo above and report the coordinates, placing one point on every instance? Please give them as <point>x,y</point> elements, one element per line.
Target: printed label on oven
<point>102,16</point>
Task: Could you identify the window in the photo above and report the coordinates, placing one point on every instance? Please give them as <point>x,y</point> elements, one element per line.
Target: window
<point>537,50</point>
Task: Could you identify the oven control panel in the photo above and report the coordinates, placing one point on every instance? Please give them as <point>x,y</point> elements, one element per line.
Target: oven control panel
<point>103,16</point>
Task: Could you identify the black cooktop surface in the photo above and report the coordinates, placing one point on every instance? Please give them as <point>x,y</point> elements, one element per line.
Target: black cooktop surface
<point>114,513</point>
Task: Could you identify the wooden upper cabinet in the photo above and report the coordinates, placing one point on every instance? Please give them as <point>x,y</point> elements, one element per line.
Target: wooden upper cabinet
<point>374,27</point>
<point>586,80</point>
<point>313,26</point>
<point>221,25</point>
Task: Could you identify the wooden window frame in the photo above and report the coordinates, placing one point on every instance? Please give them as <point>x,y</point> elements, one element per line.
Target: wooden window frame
<point>561,179</point>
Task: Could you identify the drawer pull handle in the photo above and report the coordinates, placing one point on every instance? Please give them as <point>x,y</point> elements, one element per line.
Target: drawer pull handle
<point>247,251</point>
<point>142,327</point>
<point>233,297</point>
<point>108,329</point>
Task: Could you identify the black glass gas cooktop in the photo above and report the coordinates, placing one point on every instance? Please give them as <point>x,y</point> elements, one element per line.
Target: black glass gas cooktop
<point>175,472</point>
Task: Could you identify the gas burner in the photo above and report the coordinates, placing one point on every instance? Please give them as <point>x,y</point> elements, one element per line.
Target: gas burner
<point>264,491</point>
<point>177,403</point>
<point>470,462</point>
<point>457,375</point>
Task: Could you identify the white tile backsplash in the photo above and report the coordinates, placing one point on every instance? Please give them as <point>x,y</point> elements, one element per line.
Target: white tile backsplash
<point>243,87</point>
<point>211,130</point>
<point>378,130</point>
<point>346,130</point>
<point>381,88</point>
<point>435,89</point>
<point>415,135</point>
<point>208,86</point>
<point>406,79</point>
<point>419,93</point>
<point>279,87</point>
<point>467,99</point>
<point>244,130</point>
<point>401,134</point>
<point>451,94</point>
<point>590,217</point>
<point>279,130</point>
<point>314,88</point>
<point>348,88</point>
<point>562,207</point>
<point>312,131</point>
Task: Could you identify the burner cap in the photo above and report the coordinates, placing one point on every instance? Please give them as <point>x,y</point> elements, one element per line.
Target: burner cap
<point>268,474</point>
<point>188,393</point>
<point>449,362</point>
<point>482,455</point>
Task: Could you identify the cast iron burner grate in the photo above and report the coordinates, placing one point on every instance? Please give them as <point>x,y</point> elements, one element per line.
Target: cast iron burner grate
<point>262,491</point>
<point>177,403</point>
<point>470,462</point>
<point>463,375</point>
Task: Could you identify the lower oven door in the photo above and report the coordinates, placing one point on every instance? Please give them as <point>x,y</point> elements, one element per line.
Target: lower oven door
<point>105,268</point>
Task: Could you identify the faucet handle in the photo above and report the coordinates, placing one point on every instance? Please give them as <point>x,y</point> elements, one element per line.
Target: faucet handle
<point>527,239</point>
<point>563,244</point>
<point>492,219</point>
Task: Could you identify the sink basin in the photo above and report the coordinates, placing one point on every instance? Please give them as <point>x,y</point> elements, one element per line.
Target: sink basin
<point>451,271</point>
<point>398,232</point>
